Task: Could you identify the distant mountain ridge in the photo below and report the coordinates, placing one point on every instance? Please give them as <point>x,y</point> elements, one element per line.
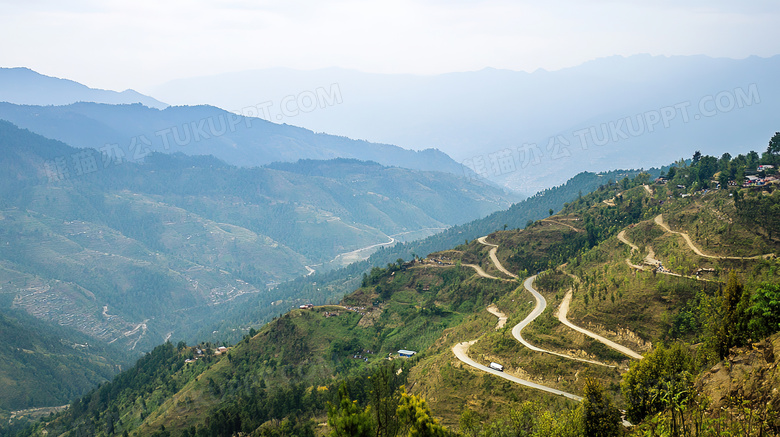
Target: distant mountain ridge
<point>27,87</point>
<point>137,253</point>
<point>205,130</point>
<point>539,117</point>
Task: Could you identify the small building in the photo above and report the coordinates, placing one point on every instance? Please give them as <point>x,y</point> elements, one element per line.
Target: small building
<point>751,180</point>
<point>765,167</point>
<point>222,348</point>
<point>306,306</point>
<point>406,353</point>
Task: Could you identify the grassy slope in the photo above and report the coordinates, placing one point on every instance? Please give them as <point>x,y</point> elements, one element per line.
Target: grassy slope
<point>45,365</point>
<point>305,346</point>
<point>646,307</point>
<point>430,308</point>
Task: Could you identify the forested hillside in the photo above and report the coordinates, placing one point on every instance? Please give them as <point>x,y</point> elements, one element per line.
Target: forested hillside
<point>516,217</point>
<point>47,365</point>
<point>655,300</point>
<point>138,253</point>
<point>246,141</point>
<point>330,286</point>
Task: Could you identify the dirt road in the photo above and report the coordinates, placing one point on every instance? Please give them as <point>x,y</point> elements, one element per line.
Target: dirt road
<point>563,311</point>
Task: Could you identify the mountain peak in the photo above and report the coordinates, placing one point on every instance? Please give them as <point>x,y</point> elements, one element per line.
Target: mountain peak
<point>24,86</point>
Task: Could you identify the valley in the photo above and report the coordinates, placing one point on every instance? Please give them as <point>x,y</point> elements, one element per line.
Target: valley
<point>598,311</point>
<point>139,254</point>
<point>389,219</point>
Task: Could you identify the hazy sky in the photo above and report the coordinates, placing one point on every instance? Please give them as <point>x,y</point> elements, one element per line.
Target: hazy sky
<point>119,45</point>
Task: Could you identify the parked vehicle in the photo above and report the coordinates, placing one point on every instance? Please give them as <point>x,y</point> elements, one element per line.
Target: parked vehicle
<point>496,366</point>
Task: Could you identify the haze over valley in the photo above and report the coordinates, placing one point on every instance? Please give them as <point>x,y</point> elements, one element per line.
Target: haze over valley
<point>478,219</point>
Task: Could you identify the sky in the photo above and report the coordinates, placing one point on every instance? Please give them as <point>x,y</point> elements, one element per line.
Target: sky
<point>139,44</point>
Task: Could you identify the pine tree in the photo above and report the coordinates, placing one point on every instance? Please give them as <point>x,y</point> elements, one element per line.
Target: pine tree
<point>732,321</point>
<point>415,415</point>
<point>349,420</point>
<point>602,418</point>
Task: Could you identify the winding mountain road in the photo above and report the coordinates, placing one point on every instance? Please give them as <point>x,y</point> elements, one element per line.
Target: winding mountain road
<point>563,311</point>
<point>634,248</point>
<point>622,237</point>
<point>502,318</point>
<point>563,224</point>
<point>461,352</point>
<point>481,272</point>
<point>541,304</point>
<point>651,260</point>
<point>659,220</point>
<point>494,258</point>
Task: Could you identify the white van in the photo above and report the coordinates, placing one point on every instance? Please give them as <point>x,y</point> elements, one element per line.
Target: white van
<point>496,366</point>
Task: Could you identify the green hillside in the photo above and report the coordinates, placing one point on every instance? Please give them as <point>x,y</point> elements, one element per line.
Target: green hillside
<point>330,286</point>
<point>48,365</point>
<point>653,299</point>
<point>138,253</point>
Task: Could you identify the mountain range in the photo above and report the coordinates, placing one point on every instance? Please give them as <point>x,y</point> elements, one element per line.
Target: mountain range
<point>91,243</point>
<point>526,131</point>
<point>270,280</point>
<point>136,130</point>
<point>27,87</point>
<point>645,292</point>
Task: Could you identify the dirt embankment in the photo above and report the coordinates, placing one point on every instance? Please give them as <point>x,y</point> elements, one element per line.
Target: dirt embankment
<point>749,374</point>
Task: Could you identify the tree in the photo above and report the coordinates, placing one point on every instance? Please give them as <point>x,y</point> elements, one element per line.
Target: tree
<point>752,159</point>
<point>731,321</point>
<point>349,420</point>
<point>415,416</point>
<point>646,382</point>
<point>469,423</point>
<point>671,173</point>
<point>384,398</point>
<point>642,178</point>
<point>708,166</point>
<point>696,157</point>
<point>551,211</point>
<point>765,310</point>
<point>724,161</point>
<point>601,417</point>
<point>739,175</point>
<point>592,233</point>
<point>723,179</point>
<point>774,146</point>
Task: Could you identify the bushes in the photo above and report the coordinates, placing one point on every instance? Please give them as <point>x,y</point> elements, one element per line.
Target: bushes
<point>764,311</point>
<point>663,371</point>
